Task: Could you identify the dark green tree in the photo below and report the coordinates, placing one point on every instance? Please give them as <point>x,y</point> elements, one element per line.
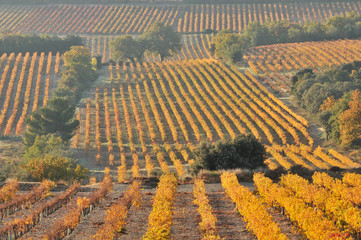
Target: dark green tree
<point>57,117</point>
<point>162,39</point>
<point>244,151</point>
<point>296,34</point>
<point>78,55</point>
<point>256,34</point>
<point>125,47</point>
<point>314,31</point>
<point>77,74</point>
<point>278,31</point>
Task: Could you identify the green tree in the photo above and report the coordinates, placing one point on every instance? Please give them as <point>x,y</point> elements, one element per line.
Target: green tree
<point>77,74</point>
<point>228,46</point>
<point>244,151</point>
<point>162,39</point>
<point>278,31</point>
<point>314,31</point>
<point>79,59</point>
<point>49,144</point>
<point>125,47</point>
<point>57,117</point>
<point>256,34</point>
<point>296,34</point>
<point>77,55</point>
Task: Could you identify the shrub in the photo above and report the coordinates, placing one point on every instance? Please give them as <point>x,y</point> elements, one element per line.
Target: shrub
<point>244,151</point>
<point>55,168</point>
<point>50,158</point>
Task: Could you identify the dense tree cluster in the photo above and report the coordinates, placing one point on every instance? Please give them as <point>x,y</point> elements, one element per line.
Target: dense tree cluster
<point>244,151</point>
<point>158,39</point>
<point>78,74</point>
<point>50,128</point>
<point>335,96</point>
<point>18,43</point>
<point>57,117</point>
<point>337,27</point>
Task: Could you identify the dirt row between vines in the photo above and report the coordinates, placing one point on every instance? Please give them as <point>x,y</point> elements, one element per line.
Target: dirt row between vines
<point>230,224</point>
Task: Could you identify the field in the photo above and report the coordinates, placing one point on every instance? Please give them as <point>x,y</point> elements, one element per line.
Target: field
<point>134,19</point>
<point>26,84</point>
<point>171,107</point>
<point>276,63</point>
<point>295,56</point>
<point>142,119</point>
<point>195,210</point>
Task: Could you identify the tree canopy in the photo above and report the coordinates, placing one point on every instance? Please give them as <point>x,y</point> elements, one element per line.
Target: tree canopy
<point>228,46</point>
<point>158,39</point>
<point>77,74</point>
<point>256,34</point>
<point>162,39</point>
<point>334,96</point>
<point>19,43</point>
<point>125,47</point>
<point>57,117</point>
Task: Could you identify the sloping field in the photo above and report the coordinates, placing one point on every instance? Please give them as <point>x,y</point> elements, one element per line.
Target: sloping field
<point>279,61</point>
<point>294,56</point>
<point>169,108</point>
<point>121,19</point>
<point>26,84</point>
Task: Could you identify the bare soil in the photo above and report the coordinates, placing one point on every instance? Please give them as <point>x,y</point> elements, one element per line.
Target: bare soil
<point>138,218</point>
<point>229,223</point>
<point>185,218</point>
<point>88,227</point>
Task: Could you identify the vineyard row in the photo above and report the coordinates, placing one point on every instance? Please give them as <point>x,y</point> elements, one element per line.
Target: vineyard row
<point>125,19</point>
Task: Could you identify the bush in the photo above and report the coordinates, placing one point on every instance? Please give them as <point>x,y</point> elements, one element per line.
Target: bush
<point>244,151</point>
<point>22,43</point>
<point>55,168</point>
<point>50,158</point>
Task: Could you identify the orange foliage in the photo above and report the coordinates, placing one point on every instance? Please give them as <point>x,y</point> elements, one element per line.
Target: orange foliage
<point>350,121</point>
<point>328,104</point>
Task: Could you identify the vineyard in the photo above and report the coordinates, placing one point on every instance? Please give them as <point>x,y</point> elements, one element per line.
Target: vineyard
<point>294,56</point>
<point>109,210</point>
<point>149,116</point>
<point>277,61</point>
<point>169,108</point>
<point>26,84</point>
<point>141,121</point>
<point>134,19</point>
